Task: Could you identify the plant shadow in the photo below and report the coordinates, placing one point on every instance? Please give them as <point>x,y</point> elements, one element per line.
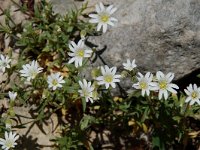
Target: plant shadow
<point>27,143</point>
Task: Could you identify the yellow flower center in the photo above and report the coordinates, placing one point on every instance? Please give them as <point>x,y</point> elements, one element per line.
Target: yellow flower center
<point>54,82</point>
<point>80,53</point>
<point>143,85</point>
<point>9,143</point>
<point>163,85</point>
<point>104,18</point>
<point>108,78</point>
<point>194,95</point>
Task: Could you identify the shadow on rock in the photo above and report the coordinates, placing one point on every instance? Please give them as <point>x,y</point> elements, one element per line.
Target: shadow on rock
<point>27,143</point>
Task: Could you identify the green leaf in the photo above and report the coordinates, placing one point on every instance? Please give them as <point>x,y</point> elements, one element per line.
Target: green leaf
<point>86,121</point>
<point>157,143</point>
<point>124,107</point>
<point>198,75</point>
<point>177,118</point>
<point>84,104</point>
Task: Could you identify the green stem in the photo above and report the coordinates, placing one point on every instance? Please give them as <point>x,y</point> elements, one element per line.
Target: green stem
<point>150,105</point>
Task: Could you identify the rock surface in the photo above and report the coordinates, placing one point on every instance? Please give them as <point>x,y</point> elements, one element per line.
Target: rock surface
<point>161,34</point>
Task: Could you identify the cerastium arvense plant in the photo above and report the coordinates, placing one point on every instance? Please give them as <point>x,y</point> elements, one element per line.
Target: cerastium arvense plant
<point>54,52</point>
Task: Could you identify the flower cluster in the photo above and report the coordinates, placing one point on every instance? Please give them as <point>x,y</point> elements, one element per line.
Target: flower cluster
<point>9,141</point>
<point>86,90</point>
<point>145,83</point>
<point>78,52</point>
<point>193,94</point>
<point>103,17</point>
<point>55,80</point>
<point>129,65</point>
<point>4,63</point>
<point>161,84</point>
<point>30,70</point>
<point>10,137</point>
<point>108,77</point>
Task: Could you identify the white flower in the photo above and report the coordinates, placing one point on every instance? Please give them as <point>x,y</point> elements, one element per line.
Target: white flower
<point>78,52</point>
<point>55,80</point>
<point>103,16</point>
<point>193,93</point>
<point>4,63</point>
<point>30,70</point>
<point>9,141</point>
<point>129,65</point>
<point>145,83</point>
<point>86,90</point>
<point>109,77</point>
<point>164,84</point>
<point>12,95</point>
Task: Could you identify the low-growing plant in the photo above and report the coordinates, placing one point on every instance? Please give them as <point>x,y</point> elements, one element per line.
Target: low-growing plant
<point>54,52</point>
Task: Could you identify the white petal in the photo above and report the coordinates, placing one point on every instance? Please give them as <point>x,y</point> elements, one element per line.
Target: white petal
<point>76,64</point>
<point>192,102</point>
<point>174,86</point>
<point>85,82</point>
<point>71,60</point>
<point>116,80</point>
<point>113,85</point>
<point>114,69</point>
<point>143,92</point>
<point>107,85</point>
<point>160,95</point>
<point>113,19</point>
<point>172,90</point>
<point>198,102</point>
<point>113,10</point>
<point>101,6</point>
<point>80,43</point>
<point>98,9</point>
<point>195,87</point>
<point>93,16</point>
<point>105,26</point>
<point>71,48</point>
<point>108,9</point>
<point>188,99</point>
<point>135,86</point>
<point>99,26</point>
<point>170,76</point>
<point>159,75</point>
<point>141,76</point>
<point>117,76</point>
<point>101,83</point>
<point>187,92</point>
<point>110,23</point>
<point>93,20</point>
<point>148,92</point>
<point>100,78</point>
<point>165,95</point>
<point>73,44</point>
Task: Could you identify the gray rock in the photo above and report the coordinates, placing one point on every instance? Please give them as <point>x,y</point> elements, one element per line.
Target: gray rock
<point>159,34</point>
